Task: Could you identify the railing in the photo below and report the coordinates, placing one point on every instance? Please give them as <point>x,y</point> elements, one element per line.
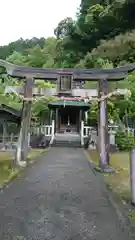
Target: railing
<point>114,128</point>
<point>47,131</point>
<point>82,133</point>
<point>86,131</point>
<point>53,132</point>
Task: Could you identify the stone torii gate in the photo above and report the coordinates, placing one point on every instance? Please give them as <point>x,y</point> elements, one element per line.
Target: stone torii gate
<point>103,76</point>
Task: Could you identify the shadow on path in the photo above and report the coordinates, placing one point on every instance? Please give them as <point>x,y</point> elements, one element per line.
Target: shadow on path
<point>58,198</point>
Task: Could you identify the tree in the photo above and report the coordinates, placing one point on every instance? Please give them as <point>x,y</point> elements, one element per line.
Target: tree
<point>119,50</point>
<point>20,46</point>
<point>64,28</point>
<point>16,58</point>
<point>35,57</point>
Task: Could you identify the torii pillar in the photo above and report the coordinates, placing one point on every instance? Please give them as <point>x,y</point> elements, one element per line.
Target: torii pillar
<point>23,143</point>
<point>103,136</point>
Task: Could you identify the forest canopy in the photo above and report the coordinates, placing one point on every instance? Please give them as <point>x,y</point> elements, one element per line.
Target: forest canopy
<point>103,35</point>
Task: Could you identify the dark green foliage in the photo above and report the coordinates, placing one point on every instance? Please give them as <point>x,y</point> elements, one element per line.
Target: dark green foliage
<point>101,37</point>
<point>124,140</point>
<point>20,46</point>
<point>97,20</point>
<point>119,50</point>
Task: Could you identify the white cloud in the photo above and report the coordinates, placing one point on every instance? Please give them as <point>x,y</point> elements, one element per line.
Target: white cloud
<point>33,18</point>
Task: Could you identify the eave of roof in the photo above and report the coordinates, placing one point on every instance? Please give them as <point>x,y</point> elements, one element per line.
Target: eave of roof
<point>10,110</point>
<point>69,103</point>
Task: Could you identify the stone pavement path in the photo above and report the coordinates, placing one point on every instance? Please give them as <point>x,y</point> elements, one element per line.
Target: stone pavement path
<point>58,198</point>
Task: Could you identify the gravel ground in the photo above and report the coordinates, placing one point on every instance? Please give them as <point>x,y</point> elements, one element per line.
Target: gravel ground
<point>58,198</point>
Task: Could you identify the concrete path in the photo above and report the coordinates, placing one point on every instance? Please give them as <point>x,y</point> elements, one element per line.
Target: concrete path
<point>58,198</point>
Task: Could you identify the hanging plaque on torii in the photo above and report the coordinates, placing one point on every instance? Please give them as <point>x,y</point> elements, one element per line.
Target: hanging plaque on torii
<point>102,76</point>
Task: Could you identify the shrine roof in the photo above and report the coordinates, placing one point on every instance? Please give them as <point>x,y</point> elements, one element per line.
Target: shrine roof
<point>10,113</point>
<point>11,110</point>
<point>64,103</point>
<point>116,74</point>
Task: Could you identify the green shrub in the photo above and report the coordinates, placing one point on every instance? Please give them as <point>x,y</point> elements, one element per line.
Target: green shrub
<point>124,140</point>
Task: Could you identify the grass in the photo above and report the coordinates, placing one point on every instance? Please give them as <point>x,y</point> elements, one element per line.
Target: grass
<point>7,171</point>
<point>34,153</point>
<point>119,182</point>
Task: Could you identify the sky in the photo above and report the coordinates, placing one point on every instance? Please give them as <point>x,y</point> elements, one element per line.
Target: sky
<point>33,18</point>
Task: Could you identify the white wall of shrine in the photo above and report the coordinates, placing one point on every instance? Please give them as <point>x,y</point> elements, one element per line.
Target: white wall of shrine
<point>48,92</point>
<point>52,91</point>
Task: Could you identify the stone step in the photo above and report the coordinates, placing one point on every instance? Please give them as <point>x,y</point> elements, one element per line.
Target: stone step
<point>69,140</point>
<point>66,144</point>
<point>66,136</point>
